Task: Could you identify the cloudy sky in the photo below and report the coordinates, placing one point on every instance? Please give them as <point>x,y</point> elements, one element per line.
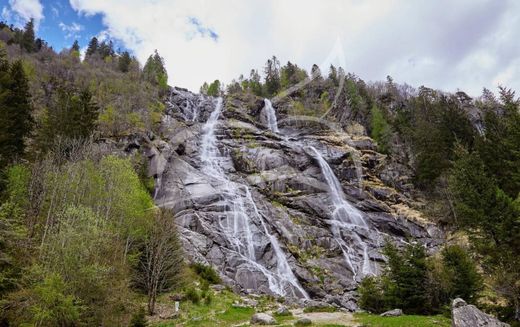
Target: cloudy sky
<point>445,44</point>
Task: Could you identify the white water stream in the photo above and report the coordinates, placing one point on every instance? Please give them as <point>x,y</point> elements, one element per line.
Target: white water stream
<point>237,225</point>
<point>344,217</point>
<point>270,116</point>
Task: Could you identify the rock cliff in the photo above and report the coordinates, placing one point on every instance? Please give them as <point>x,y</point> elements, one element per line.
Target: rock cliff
<point>296,208</point>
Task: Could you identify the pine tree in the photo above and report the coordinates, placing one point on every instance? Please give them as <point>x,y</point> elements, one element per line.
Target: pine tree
<point>272,76</point>
<point>124,62</point>
<point>214,88</point>
<point>28,37</point>
<point>15,112</point>
<point>154,70</point>
<point>75,46</point>
<point>92,48</point>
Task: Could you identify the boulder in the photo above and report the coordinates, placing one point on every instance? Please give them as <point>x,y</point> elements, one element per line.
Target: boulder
<point>283,311</point>
<point>262,319</point>
<point>467,315</point>
<point>392,313</point>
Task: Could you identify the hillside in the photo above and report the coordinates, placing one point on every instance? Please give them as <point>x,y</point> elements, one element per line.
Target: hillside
<point>321,193</point>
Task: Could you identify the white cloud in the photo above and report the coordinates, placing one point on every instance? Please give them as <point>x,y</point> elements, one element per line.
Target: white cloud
<point>25,10</point>
<point>71,30</point>
<point>466,44</point>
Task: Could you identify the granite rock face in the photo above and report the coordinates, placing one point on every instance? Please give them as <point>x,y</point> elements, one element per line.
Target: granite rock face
<point>468,315</point>
<point>257,206</point>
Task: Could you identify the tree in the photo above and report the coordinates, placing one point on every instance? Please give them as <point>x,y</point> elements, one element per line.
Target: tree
<point>161,261</point>
<point>28,37</point>
<point>75,46</point>
<point>154,70</point>
<point>124,62</point>
<point>16,112</point>
<point>406,278</point>
<point>72,115</point>
<point>272,76</point>
<point>255,84</point>
<point>214,89</point>
<point>464,279</point>
<point>380,130</point>
<point>92,48</point>
<point>491,219</point>
<point>204,88</point>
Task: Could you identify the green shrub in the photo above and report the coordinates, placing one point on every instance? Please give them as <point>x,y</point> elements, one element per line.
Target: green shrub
<point>208,299</point>
<point>192,295</point>
<point>139,319</point>
<point>207,273</point>
<point>371,295</point>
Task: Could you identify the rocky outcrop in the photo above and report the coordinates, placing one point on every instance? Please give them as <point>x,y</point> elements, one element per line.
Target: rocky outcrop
<point>392,313</point>
<point>467,315</point>
<point>259,209</point>
<point>262,319</point>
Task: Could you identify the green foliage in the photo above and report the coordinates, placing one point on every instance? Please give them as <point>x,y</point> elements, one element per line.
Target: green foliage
<point>491,218</point>
<point>50,304</point>
<point>272,77</point>
<point>205,272</point>
<point>371,296</point>
<point>139,318</point>
<point>464,280</point>
<point>192,295</point>
<point>15,110</point>
<point>13,233</point>
<point>28,42</point>
<point>155,72</point>
<point>380,129</point>
<point>214,89</point>
<point>72,115</point>
<point>418,284</point>
<point>124,62</point>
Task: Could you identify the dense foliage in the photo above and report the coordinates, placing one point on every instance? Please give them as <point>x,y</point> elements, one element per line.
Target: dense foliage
<point>419,284</point>
<point>80,238</point>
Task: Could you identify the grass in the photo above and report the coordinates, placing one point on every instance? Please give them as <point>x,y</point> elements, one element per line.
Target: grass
<point>370,320</point>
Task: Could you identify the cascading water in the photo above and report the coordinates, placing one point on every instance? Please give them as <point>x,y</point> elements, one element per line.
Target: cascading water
<point>270,116</point>
<point>344,217</point>
<point>236,225</point>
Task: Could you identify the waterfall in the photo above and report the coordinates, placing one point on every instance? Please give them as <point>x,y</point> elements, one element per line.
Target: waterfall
<point>236,225</point>
<point>344,217</point>
<point>270,116</point>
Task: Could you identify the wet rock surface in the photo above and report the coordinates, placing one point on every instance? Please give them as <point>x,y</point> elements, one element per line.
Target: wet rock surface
<point>260,205</point>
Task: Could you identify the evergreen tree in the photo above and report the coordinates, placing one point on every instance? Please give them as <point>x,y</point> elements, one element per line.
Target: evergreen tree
<point>72,115</point>
<point>28,37</point>
<point>255,84</point>
<point>272,76</point>
<point>124,62</point>
<point>75,46</point>
<point>406,278</point>
<point>204,88</point>
<point>465,281</point>
<point>491,219</point>
<point>16,111</point>
<point>154,70</point>
<point>92,48</point>
<point>214,89</point>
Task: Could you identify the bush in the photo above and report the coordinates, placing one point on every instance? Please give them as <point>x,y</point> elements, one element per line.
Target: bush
<point>207,273</point>
<point>371,295</point>
<point>138,319</point>
<point>208,299</point>
<point>192,295</point>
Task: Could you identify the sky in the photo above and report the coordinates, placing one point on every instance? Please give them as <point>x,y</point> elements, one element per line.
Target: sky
<point>445,44</point>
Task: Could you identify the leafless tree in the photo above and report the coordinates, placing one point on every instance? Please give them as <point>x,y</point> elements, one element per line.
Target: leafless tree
<point>161,263</point>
